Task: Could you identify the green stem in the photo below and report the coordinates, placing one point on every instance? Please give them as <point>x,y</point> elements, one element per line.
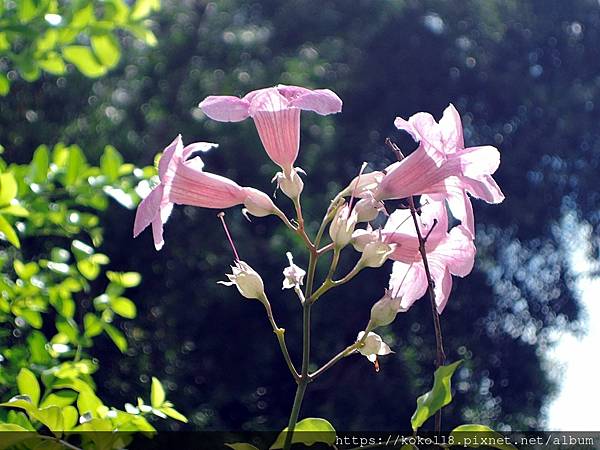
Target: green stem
<point>280,333</point>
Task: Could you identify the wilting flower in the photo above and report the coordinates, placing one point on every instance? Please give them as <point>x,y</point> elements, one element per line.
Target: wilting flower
<point>293,275</point>
<point>448,253</point>
<point>184,182</point>
<point>442,166</point>
<point>372,346</point>
<point>246,280</point>
<point>276,114</point>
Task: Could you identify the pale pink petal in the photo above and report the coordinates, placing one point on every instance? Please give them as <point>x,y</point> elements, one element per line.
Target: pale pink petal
<point>280,135</point>
<point>192,186</point>
<point>147,210</point>
<point>433,211</point>
<point>462,209</point>
<point>267,100</point>
<point>197,147</point>
<point>321,101</point>
<point>478,161</point>
<point>157,233</point>
<point>456,252</point>
<point>452,130</point>
<point>408,282</point>
<point>484,188</point>
<point>442,283</point>
<point>169,158</point>
<point>225,108</point>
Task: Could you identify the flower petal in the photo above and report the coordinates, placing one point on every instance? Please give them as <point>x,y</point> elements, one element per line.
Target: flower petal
<point>478,161</point>
<point>168,160</point>
<point>409,282</point>
<point>225,108</point>
<point>147,210</point>
<point>451,128</point>
<point>321,101</point>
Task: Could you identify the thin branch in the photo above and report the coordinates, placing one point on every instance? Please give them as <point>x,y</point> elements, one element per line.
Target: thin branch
<point>440,355</point>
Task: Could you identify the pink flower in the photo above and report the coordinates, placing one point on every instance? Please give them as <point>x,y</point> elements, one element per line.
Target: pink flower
<point>276,114</point>
<point>442,167</point>
<point>184,182</point>
<point>448,253</point>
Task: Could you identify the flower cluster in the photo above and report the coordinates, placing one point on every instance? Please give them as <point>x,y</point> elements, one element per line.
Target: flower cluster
<point>417,237</point>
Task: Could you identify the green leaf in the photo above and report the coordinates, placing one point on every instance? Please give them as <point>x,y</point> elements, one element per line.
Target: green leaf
<point>15,210</point>
<point>241,446</point>
<point>9,232</point>
<point>143,34</point>
<point>4,85</point>
<point>15,434</point>
<point>33,318</point>
<point>28,385</point>
<point>25,271</point>
<point>60,398</point>
<point>107,49</point>
<point>438,397</point>
<point>8,188</point>
<point>475,435</point>
<point>123,307</point>
<point>92,325</point>
<point>74,166</point>
<point>84,59</point>
<point>37,348</point>
<point>38,168</point>
<point>308,432</point>
<point>110,162</point>
<point>53,63</point>
<point>88,402</point>
<point>174,414</point>
<point>116,336</point>
<point>157,393</point>
<point>26,10</point>
<point>51,417</point>
<point>70,417</point>
<point>142,8</point>
<point>125,279</point>
<point>82,17</point>
<point>88,268</point>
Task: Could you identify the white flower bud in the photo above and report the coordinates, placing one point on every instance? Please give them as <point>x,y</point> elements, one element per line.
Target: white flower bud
<point>375,253</point>
<point>372,346</point>
<point>362,237</point>
<point>342,226</point>
<point>384,311</point>
<point>368,209</point>
<point>362,184</point>
<point>247,281</point>
<point>293,275</point>
<point>258,203</point>
<point>291,185</point>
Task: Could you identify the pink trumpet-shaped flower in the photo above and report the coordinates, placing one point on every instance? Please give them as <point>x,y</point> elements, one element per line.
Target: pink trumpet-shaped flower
<point>442,167</point>
<point>184,182</point>
<point>448,253</point>
<point>276,114</point>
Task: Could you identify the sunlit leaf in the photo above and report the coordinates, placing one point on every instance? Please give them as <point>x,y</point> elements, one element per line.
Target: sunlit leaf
<point>123,307</point>
<point>308,432</point>
<point>9,232</point>
<point>70,417</point>
<point>241,446</point>
<point>92,325</point>
<point>107,49</point>
<point>84,59</point>
<point>26,10</point>
<point>8,188</point>
<point>172,413</point>
<point>27,384</point>
<point>438,397</point>
<point>157,393</point>
<point>142,8</point>
<point>61,398</point>
<point>110,162</point>
<point>116,336</point>
<point>475,436</point>
<point>125,279</point>
<point>53,63</point>
<point>4,85</point>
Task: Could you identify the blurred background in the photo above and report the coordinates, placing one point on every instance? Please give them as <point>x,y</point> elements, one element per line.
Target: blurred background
<point>525,76</point>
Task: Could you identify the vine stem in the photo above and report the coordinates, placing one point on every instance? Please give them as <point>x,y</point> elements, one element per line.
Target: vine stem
<point>439,344</point>
<point>280,333</point>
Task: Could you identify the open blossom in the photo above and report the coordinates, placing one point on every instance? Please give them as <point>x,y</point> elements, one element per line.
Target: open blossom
<point>442,167</point>
<point>184,182</point>
<point>293,276</point>
<point>276,114</point>
<point>372,346</point>
<point>448,253</point>
<point>246,280</point>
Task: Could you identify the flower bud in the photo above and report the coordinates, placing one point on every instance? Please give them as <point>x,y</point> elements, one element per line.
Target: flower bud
<point>258,203</point>
<point>372,346</point>
<point>384,311</point>
<point>342,226</point>
<point>293,275</point>
<point>362,237</point>
<point>362,184</point>
<point>246,280</point>
<point>368,209</point>
<point>290,184</point>
<point>376,253</point>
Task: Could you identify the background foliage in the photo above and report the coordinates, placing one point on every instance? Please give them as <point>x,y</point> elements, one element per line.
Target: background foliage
<point>522,74</point>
